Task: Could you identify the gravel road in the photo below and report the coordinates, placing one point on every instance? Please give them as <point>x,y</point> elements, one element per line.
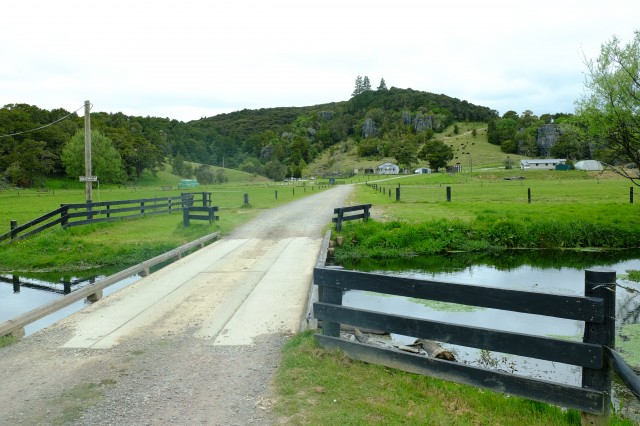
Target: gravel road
<point>196,343</point>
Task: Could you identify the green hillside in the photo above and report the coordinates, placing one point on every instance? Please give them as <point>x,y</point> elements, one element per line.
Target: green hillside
<point>272,142</point>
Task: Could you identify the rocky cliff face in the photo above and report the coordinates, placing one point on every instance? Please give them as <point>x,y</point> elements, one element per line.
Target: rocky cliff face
<point>546,136</point>
<point>369,128</point>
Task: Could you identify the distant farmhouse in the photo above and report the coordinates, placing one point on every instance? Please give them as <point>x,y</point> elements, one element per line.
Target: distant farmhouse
<point>542,164</point>
<point>388,169</point>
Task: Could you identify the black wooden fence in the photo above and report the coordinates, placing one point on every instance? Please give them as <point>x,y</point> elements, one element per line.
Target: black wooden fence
<point>596,308</point>
<point>341,217</point>
<point>69,215</point>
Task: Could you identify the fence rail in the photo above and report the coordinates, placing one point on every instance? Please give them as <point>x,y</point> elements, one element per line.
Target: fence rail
<point>94,291</point>
<point>596,309</point>
<point>340,214</point>
<point>69,215</point>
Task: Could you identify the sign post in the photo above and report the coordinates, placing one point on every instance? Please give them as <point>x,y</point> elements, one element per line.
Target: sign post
<point>87,152</point>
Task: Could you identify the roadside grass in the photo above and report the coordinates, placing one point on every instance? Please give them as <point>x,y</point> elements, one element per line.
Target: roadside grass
<point>315,387</point>
<point>73,402</point>
<point>7,340</point>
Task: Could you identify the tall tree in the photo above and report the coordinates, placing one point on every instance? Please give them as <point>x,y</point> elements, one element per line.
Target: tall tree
<point>405,151</point>
<point>611,104</point>
<point>106,162</point>
<point>382,85</point>
<point>436,153</point>
<point>359,86</point>
<point>366,84</point>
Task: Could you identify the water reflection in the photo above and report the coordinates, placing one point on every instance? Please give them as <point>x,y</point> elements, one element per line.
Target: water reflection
<point>63,286</point>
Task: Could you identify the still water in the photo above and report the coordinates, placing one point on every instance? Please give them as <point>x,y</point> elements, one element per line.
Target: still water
<point>20,294</point>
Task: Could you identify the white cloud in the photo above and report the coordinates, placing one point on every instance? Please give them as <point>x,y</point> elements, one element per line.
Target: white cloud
<point>187,59</point>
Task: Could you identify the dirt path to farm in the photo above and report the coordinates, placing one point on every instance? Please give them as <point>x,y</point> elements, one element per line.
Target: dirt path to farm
<point>195,343</point>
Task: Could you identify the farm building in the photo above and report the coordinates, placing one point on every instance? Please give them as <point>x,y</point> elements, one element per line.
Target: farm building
<point>422,170</point>
<point>388,169</point>
<point>588,165</point>
<point>541,164</point>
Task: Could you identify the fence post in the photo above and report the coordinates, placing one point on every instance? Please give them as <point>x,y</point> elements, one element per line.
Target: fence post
<point>339,220</point>
<point>141,207</point>
<point>398,194</point>
<point>631,194</point>
<point>185,216</point>
<point>529,195</point>
<point>600,284</point>
<point>246,200</point>
<point>64,215</point>
<point>448,193</point>
<point>276,194</point>
<point>334,296</point>
<point>14,225</point>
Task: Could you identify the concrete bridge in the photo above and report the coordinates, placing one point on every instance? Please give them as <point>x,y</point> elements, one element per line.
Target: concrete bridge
<point>182,328</point>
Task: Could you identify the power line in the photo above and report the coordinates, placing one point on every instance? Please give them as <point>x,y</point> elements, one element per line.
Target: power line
<point>41,127</point>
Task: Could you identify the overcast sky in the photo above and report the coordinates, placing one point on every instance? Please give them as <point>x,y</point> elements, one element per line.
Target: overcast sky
<point>188,59</point>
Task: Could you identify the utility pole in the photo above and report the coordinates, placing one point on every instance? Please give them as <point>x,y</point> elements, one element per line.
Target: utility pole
<point>87,152</point>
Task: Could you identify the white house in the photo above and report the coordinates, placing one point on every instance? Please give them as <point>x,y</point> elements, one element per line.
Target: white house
<point>541,164</point>
<point>388,169</point>
<point>422,170</point>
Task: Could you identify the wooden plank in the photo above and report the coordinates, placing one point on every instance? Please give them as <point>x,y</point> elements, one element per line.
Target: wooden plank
<point>560,306</point>
<point>351,208</point>
<point>582,399</point>
<point>38,220</point>
<point>40,229</point>
<point>21,321</point>
<point>574,353</point>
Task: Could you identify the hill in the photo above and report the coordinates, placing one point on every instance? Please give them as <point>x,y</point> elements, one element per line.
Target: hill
<point>274,142</point>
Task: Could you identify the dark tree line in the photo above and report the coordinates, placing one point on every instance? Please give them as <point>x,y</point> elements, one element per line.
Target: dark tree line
<point>275,142</point>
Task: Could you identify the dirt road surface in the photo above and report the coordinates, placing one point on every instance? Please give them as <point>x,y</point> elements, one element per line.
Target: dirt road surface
<point>195,343</point>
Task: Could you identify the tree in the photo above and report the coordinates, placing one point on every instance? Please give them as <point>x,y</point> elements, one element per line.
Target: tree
<point>359,86</point>
<point>28,163</point>
<point>204,174</point>
<point>436,153</point>
<point>611,104</point>
<point>366,84</point>
<point>275,170</point>
<point>382,85</point>
<point>106,162</point>
<point>177,165</point>
<point>405,151</point>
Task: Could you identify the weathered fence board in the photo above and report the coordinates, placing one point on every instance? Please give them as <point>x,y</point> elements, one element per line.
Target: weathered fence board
<point>575,353</point>
<point>560,306</point>
<point>340,214</point>
<point>587,400</point>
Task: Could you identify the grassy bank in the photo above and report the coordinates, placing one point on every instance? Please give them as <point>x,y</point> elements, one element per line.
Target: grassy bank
<point>318,387</point>
<point>487,212</point>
